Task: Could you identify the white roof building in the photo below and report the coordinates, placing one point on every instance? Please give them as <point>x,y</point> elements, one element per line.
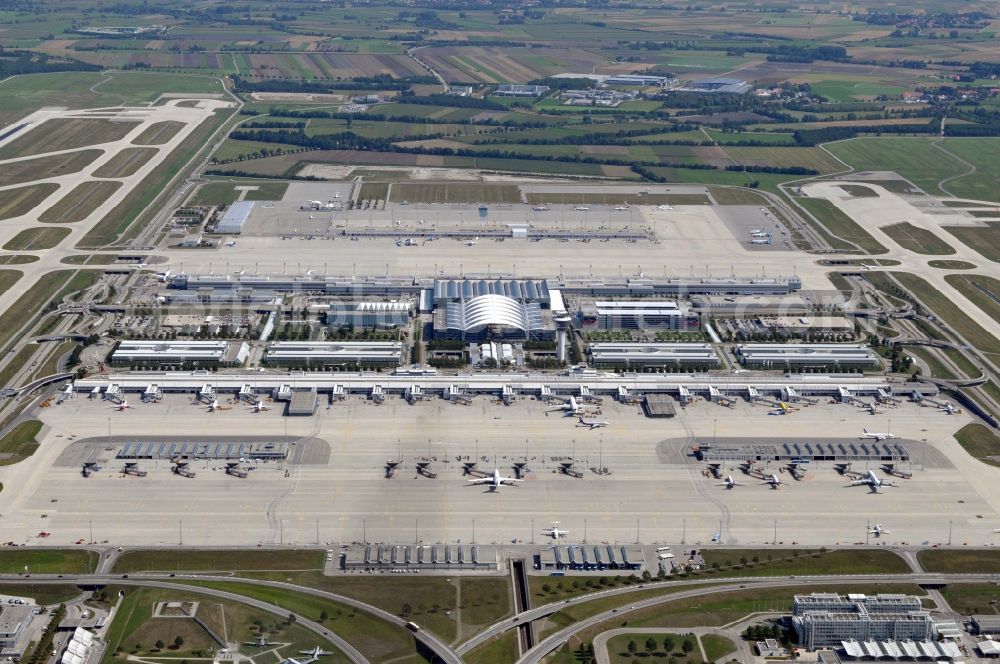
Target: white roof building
<point>235,217</point>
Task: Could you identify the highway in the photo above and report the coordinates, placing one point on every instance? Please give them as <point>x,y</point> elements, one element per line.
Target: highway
<point>432,642</point>
<point>724,585</point>
<point>454,655</point>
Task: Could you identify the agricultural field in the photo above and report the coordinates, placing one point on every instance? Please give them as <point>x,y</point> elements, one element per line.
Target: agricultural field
<point>814,158</point>
<point>66,134</point>
<point>38,237</point>
<point>475,64</point>
<point>22,200</point>
<point>79,203</point>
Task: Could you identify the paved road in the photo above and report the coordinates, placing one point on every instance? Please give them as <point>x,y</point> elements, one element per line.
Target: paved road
<point>725,585</point>
<point>432,642</point>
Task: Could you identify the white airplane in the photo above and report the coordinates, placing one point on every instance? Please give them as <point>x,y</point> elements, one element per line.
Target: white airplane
<point>773,480</point>
<point>214,406</point>
<point>494,480</point>
<point>582,208</point>
<point>730,483</point>
<point>875,435</point>
<point>761,240</point>
<point>759,231</point>
<point>123,406</point>
<point>949,408</point>
<point>315,653</point>
<point>554,532</point>
<point>592,423</point>
<point>260,407</point>
<point>573,407</point>
<point>540,208</point>
<point>872,480</point>
<point>622,208</point>
<point>877,530</point>
<point>471,242</point>
<point>664,207</point>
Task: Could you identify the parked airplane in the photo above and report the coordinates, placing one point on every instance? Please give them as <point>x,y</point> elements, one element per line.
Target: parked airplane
<point>592,423</point>
<point>471,242</point>
<point>949,408</point>
<point>872,480</point>
<point>621,208</point>
<point>540,208</point>
<point>260,407</point>
<point>874,435</point>
<point>259,642</point>
<point>773,480</point>
<point>664,207</point>
<point>573,407</point>
<point>877,530</point>
<point>762,240</point>
<point>494,480</point>
<point>554,531</point>
<point>315,653</point>
<point>582,208</point>
<point>213,406</point>
<point>123,406</point>
<point>730,483</point>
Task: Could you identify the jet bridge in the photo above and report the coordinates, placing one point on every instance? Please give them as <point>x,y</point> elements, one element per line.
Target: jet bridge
<point>715,396</point>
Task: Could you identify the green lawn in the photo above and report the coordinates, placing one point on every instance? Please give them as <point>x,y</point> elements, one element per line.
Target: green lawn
<point>780,562</point>
<point>209,560</point>
<point>224,193</point>
<point>498,650</point>
<point>621,648</point>
<point>980,289</point>
<point>717,647</point>
<point>839,226</point>
<point>374,638</point>
<point>43,594</point>
<point>946,264</point>
<point>982,153</point>
<point>984,239</point>
<point>19,443</point>
<point>949,312</point>
<point>980,442</point>
<point>972,598</point>
<point>47,561</point>
<point>918,240</point>
<point>965,561</point>
<point>8,278</point>
<point>51,285</point>
<point>915,159</point>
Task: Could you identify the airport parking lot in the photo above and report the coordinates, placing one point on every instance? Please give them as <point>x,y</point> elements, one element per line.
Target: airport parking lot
<point>653,486</point>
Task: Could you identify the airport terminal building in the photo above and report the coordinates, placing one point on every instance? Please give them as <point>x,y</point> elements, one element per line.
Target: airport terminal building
<point>825,620</point>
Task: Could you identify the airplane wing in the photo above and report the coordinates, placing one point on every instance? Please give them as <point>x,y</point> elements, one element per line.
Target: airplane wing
<point>481,480</point>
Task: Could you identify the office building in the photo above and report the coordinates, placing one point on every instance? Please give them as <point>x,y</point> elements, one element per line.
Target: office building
<point>824,620</point>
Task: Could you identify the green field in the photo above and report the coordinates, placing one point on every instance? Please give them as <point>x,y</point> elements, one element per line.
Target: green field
<point>840,230</point>
<point>78,204</point>
<point>47,561</point>
<point>10,259</point>
<point>980,442</point>
<point>38,237</point>
<point>224,192</point>
<point>716,647</point>
<point>780,562</point>
<point>18,445</point>
<point>972,598</point>
<point>498,650</point>
<point>20,201</point>
<point>980,289</point>
<point>859,191</point>
<point>946,310</point>
<point>374,638</point>
<point>984,239</point>
<point>43,594</point>
<point>917,240</point>
<point>815,158</point>
<point>208,560</point>
<point>913,158</point>
<point>126,162</point>
<point>623,647</point>
<point>118,221</point>
<point>65,134</point>
<point>51,166</point>
<point>135,632</point>
<point>737,196</point>
<point>373,191</point>
<point>457,192</point>
<point>158,133</point>
<point>951,265</point>
<point>981,153</point>
<point>51,284</point>
<point>966,561</point>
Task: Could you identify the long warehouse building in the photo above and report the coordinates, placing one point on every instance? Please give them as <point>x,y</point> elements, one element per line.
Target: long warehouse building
<point>641,355</point>
<point>178,353</point>
<point>778,356</point>
<point>319,354</point>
